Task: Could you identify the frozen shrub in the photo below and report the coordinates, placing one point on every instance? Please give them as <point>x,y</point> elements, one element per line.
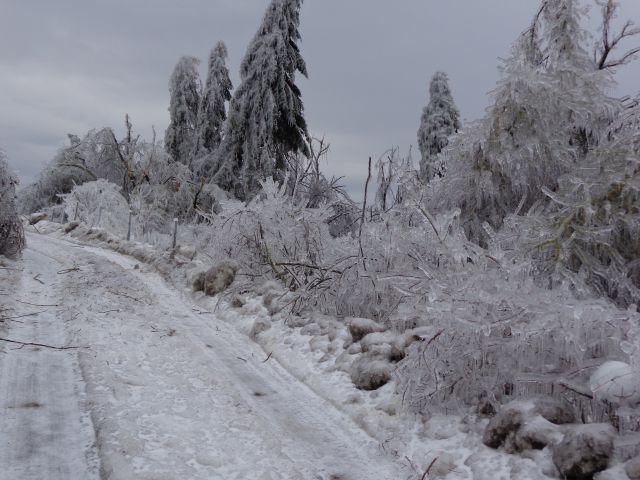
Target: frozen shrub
<point>584,451</point>
<point>505,347</point>
<point>11,233</point>
<point>361,327</point>
<point>370,372</point>
<point>197,281</point>
<point>504,425</point>
<point>216,279</point>
<point>521,426</point>
<point>98,204</point>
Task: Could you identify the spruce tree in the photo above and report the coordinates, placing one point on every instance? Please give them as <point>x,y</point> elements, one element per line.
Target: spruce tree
<point>212,112</point>
<point>11,233</point>
<point>266,120</point>
<point>440,120</point>
<point>184,87</point>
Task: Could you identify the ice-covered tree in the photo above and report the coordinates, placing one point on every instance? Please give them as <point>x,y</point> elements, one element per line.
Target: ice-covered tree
<point>440,120</point>
<point>11,234</point>
<point>266,120</point>
<point>212,112</point>
<point>549,109</point>
<point>184,88</point>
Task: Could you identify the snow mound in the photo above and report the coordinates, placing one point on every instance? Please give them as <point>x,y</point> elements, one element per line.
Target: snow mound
<point>632,469</point>
<point>361,327</point>
<point>370,373</point>
<point>616,382</point>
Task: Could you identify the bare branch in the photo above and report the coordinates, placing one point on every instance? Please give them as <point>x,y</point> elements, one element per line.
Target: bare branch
<point>609,42</point>
<point>364,209</point>
<point>80,167</point>
<point>22,344</point>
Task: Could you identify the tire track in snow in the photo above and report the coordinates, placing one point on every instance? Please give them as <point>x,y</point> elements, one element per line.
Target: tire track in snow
<point>45,434</point>
<point>263,423</point>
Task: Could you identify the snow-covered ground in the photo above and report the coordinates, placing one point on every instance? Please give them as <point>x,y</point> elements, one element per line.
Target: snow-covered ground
<point>173,392</point>
<point>45,430</point>
<point>171,384</point>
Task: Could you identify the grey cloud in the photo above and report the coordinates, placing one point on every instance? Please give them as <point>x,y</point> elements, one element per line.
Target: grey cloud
<point>73,65</point>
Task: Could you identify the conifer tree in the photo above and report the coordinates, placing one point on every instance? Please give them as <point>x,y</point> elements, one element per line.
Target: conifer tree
<point>266,121</point>
<point>440,120</point>
<point>212,112</point>
<point>11,233</point>
<point>184,87</point>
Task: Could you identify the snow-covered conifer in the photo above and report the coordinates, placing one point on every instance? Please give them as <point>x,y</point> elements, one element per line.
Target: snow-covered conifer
<point>184,87</point>
<point>212,112</point>
<point>266,116</point>
<point>11,233</point>
<point>440,120</point>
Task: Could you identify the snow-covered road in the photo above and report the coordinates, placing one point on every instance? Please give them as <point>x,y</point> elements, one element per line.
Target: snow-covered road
<point>173,392</point>
<point>45,432</point>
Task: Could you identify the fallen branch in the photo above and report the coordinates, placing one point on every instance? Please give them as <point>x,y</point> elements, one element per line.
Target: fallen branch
<point>68,270</point>
<point>426,473</point>
<point>575,389</point>
<point>434,338</point>
<point>32,344</point>
<point>36,304</point>
<point>126,296</point>
<point>268,357</point>
<point>307,265</point>
<point>22,316</point>
<point>37,279</point>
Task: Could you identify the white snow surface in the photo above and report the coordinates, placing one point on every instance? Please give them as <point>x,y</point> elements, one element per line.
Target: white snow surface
<point>616,382</point>
<point>45,429</point>
<point>181,385</point>
<point>172,391</point>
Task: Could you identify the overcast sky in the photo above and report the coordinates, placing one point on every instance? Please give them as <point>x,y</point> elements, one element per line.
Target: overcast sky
<point>67,66</point>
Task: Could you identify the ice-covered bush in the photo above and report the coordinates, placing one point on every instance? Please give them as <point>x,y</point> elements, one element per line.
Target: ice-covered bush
<point>98,204</point>
<point>548,112</point>
<point>273,237</point>
<point>494,340</point>
<point>11,233</point>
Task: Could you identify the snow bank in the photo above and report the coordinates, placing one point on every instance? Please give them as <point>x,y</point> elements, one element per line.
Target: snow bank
<point>616,382</point>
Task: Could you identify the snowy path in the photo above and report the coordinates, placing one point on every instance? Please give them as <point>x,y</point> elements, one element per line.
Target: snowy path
<point>177,394</point>
<point>44,433</point>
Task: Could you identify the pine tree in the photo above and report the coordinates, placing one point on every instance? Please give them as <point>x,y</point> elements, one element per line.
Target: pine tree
<point>184,87</point>
<point>266,116</point>
<point>440,120</point>
<point>212,112</point>
<point>11,233</point>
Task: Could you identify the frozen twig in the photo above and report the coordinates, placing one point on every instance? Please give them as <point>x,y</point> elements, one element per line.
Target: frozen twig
<point>36,304</point>
<point>68,270</point>
<point>362,218</point>
<point>32,344</point>
<point>22,316</point>
<point>426,473</point>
